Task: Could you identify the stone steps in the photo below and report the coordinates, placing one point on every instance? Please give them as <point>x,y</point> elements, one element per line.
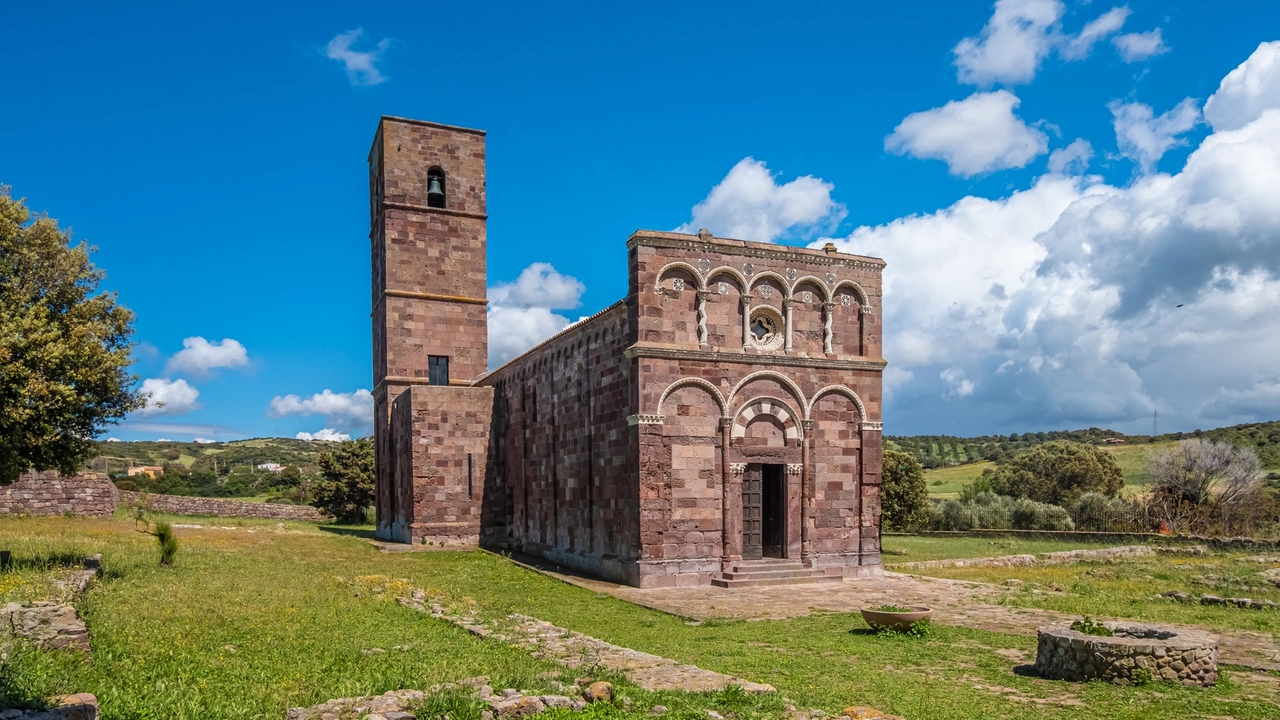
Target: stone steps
<point>763,573</point>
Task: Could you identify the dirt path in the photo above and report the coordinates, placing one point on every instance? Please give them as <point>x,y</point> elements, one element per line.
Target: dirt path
<point>955,602</point>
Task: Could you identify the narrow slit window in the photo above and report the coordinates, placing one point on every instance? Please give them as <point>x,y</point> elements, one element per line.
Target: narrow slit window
<point>438,369</point>
<point>470,476</point>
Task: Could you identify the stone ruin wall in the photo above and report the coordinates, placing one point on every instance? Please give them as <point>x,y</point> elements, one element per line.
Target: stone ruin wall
<point>48,493</point>
<point>561,479</point>
<point>219,507</point>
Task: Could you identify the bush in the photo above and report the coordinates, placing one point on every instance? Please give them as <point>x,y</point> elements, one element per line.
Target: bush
<point>904,497</point>
<point>1031,515</point>
<point>988,511</point>
<point>1097,512</point>
<point>952,515</point>
<point>347,488</point>
<point>1058,472</point>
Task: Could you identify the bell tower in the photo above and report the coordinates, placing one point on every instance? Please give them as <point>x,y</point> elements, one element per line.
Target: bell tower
<point>427,237</point>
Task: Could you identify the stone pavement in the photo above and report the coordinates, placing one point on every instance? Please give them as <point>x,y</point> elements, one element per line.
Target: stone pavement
<point>955,602</point>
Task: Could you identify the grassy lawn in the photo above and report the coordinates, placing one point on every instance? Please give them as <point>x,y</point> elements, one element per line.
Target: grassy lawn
<point>947,482</point>
<point>249,623</point>
<point>913,548</point>
<point>1128,589</point>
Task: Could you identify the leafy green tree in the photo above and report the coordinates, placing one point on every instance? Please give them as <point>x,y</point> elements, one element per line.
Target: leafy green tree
<point>64,347</point>
<point>1058,473</point>
<point>904,496</point>
<point>289,477</point>
<point>347,488</point>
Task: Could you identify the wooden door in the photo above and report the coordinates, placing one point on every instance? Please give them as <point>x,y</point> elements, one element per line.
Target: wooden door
<point>752,504</point>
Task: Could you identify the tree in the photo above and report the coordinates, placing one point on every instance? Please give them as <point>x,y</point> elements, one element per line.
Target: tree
<point>64,347</point>
<point>904,496</point>
<point>1201,478</point>
<point>1058,472</point>
<point>347,488</point>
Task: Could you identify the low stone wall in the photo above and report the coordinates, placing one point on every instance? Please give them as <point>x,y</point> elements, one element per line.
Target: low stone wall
<point>220,507</point>
<point>48,493</point>
<point>45,624</point>
<point>1134,655</point>
<point>1237,543</point>
<point>1052,558</point>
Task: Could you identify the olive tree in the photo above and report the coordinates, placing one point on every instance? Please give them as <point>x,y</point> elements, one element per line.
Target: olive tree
<point>64,347</point>
<point>904,497</point>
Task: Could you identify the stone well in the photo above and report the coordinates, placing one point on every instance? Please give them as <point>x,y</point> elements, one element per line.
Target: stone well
<point>1135,654</point>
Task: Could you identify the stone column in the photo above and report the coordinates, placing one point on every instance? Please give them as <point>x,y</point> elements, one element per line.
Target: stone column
<point>828,311</point>
<point>733,511</point>
<point>702,317</point>
<point>654,503</point>
<point>746,321</point>
<point>786,306</point>
<point>806,489</point>
<point>793,522</point>
<point>726,478</point>
<point>870,469</point>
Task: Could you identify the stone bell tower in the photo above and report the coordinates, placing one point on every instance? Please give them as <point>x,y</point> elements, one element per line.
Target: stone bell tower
<point>430,335</point>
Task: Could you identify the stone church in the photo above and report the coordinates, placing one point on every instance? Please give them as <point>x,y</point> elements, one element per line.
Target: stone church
<point>718,425</point>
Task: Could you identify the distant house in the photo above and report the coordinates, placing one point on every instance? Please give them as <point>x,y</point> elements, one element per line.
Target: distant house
<point>271,467</point>
<point>151,471</point>
<point>1114,441</point>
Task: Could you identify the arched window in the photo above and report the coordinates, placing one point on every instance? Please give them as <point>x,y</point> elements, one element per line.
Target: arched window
<point>435,187</point>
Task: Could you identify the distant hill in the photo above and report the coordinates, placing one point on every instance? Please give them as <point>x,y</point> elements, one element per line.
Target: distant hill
<point>935,451</point>
<point>303,454</point>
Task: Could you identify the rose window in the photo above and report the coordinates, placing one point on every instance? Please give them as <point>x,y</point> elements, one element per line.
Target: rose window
<point>764,332</point>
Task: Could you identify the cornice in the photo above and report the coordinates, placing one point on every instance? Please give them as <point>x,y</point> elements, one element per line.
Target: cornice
<point>743,248</point>
<point>640,350</point>
<point>414,207</point>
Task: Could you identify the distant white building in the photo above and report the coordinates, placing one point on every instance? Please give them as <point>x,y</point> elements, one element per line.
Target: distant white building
<point>271,467</point>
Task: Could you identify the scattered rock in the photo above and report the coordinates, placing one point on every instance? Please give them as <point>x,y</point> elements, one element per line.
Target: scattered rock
<point>1013,583</point>
<point>1176,595</point>
<point>510,693</point>
<point>713,715</point>
<point>657,709</point>
<point>517,707</point>
<point>372,651</point>
<point>556,701</point>
<point>230,648</point>
<point>598,691</point>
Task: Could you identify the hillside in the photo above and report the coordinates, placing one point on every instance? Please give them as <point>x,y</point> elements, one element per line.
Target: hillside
<point>303,454</point>
<point>938,451</point>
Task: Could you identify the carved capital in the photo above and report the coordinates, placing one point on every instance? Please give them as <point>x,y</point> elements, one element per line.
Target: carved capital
<point>807,425</point>
<point>795,468</point>
<point>746,299</point>
<point>737,468</point>
<point>877,426</point>
<point>829,305</point>
<point>726,422</point>
<point>645,419</point>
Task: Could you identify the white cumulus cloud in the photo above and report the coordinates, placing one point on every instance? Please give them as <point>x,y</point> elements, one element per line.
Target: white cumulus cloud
<point>520,312</point>
<point>167,397</point>
<point>976,135</point>
<point>1145,137</point>
<point>199,356</point>
<point>204,440</point>
<point>1072,159</point>
<point>1136,47</point>
<point>361,65</point>
<point>1247,91</point>
<point>344,411</point>
<point>113,439</point>
<point>324,434</point>
<point>1075,303</point>
<point>750,204</point>
<point>1020,35</point>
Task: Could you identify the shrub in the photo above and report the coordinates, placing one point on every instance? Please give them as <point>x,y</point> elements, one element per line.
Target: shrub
<point>347,487</point>
<point>1058,472</point>
<point>988,511</point>
<point>904,497</point>
<point>168,543</point>
<point>126,485</point>
<point>1201,484</point>
<point>1097,512</point>
<point>991,510</point>
<point>1031,515</point>
<point>952,515</point>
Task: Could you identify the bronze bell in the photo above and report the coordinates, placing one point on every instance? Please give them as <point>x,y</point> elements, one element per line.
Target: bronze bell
<point>434,192</point>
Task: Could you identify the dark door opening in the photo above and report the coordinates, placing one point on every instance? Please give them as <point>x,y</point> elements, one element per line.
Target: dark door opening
<point>762,511</point>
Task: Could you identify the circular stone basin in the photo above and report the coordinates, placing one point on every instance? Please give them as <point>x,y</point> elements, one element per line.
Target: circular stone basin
<point>1133,655</point>
<point>881,620</point>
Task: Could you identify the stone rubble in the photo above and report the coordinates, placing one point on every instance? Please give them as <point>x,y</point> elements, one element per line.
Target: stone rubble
<point>51,624</point>
<point>81,706</point>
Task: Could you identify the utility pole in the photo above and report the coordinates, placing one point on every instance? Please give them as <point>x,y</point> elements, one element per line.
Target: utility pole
<point>1155,416</point>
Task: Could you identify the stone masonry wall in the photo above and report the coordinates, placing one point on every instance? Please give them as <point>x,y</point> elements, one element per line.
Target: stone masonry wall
<point>561,481</point>
<point>812,402</point>
<point>48,493</point>
<point>221,507</point>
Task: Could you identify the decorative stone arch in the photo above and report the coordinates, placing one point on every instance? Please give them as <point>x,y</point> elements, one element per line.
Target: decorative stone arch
<point>779,410</point>
<point>839,390</point>
<point>857,291</point>
<point>788,382</point>
<point>755,280</point>
<point>822,287</point>
<point>715,393</point>
<point>677,265</point>
<point>743,284</point>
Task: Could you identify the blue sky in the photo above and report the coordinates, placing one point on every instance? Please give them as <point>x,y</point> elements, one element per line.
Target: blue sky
<point>1040,229</point>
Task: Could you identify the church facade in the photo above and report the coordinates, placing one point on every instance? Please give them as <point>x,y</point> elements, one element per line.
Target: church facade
<point>726,411</point>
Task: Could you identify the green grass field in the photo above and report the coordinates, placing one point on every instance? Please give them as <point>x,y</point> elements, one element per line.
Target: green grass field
<point>250,623</point>
<point>916,548</point>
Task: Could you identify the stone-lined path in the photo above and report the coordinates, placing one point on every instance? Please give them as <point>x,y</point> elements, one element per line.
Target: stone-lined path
<point>574,649</point>
<point>955,602</point>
